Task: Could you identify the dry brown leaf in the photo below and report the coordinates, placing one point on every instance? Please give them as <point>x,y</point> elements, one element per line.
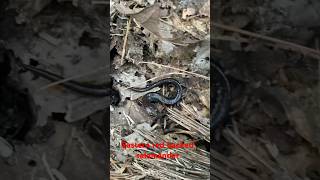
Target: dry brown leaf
<point>149,19</point>
<point>305,125</point>
<point>126,10</point>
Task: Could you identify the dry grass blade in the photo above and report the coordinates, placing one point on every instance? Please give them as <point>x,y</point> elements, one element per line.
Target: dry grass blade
<point>221,163</point>
<point>192,123</point>
<point>279,43</point>
<point>168,171</point>
<point>125,39</point>
<point>179,168</point>
<point>236,140</point>
<point>193,165</point>
<point>72,78</point>
<point>158,77</point>
<point>183,119</point>
<point>118,176</point>
<point>177,69</point>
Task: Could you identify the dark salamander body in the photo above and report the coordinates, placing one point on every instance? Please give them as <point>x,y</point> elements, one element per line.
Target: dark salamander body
<point>156,97</point>
<point>221,96</point>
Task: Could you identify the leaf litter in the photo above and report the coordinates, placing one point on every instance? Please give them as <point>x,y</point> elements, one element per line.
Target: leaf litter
<point>272,61</point>
<point>155,40</point>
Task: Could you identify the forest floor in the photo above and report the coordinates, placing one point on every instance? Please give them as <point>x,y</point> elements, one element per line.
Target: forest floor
<point>269,50</point>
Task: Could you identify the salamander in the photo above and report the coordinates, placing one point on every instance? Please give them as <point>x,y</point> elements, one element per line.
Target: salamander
<point>156,97</point>
<point>82,88</point>
<point>221,96</point>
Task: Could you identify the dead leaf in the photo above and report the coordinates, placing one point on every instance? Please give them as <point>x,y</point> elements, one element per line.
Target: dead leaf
<point>126,10</point>
<point>305,125</point>
<point>188,12</point>
<point>149,19</point>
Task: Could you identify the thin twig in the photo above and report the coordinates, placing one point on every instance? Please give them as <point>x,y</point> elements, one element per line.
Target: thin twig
<point>125,41</point>
<point>151,79</point>
<point>71,78</point>
<point>283,44</point>
<point>239,142</point>
<point>47,166</point>
<point>116,34</point>
<point>187,72</point>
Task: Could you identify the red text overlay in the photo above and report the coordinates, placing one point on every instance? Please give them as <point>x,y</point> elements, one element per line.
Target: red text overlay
<point>168,145</point>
